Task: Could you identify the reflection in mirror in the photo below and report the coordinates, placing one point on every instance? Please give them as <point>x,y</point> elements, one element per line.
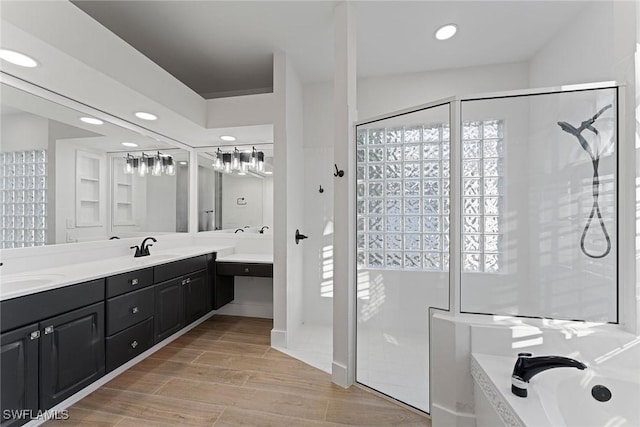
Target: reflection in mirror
<point>63,178</point>
<point>235,189</point>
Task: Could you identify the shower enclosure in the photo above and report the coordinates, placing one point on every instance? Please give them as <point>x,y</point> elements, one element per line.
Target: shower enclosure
<point>498,205</point>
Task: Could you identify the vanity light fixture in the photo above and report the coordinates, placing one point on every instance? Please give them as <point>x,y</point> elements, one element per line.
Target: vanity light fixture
<point>146,164</point>
<point>129,144</point>
<point>228,138</point>
<point>145,116</point>
<point>239,161</point>
<point>17,58</point>
<point>91,120</point>
<point>446,32</point>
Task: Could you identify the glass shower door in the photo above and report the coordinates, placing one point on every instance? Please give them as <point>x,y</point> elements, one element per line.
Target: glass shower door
<point>402,214</point>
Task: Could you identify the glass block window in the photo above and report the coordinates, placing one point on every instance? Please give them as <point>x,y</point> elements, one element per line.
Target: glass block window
<point>482,195</point>
<point>23,184</point>
<point>403,197</point>
<point>403,181</point>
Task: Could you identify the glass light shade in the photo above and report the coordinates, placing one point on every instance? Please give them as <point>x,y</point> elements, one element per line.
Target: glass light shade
<point>226,161</point>
<point>170,169</point>
<point>143,168</point>
<point>254,159</point>
<point>128,165</point>
<point>217,164</point>
<point>156,169</point>
<point>260,161</point>
<point>235,161</point>
<point>245,161</point>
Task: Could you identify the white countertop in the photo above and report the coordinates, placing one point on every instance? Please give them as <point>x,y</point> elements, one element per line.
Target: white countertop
<point>244,257</point>
<point>20,284</point>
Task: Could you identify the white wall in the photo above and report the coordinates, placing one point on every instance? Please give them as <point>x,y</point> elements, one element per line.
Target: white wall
<point>242,202</point>
<point>24,131</point>
<point>161,203</point>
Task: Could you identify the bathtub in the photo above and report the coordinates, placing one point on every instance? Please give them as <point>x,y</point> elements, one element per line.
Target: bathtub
<point>560,397</point>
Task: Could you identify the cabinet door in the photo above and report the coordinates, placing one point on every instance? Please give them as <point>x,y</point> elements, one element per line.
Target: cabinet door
<point>169,314</point>
<point>197,296</point>
<point>19,364</point>
<point>72,353</point>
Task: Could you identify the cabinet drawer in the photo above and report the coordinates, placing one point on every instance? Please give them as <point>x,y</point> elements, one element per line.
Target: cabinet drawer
<point>129,343</point>
<point>179,268</point>
<point>244,269</point>
<point>127,282</point>
<point>32,308</point>
<point>129,309</point>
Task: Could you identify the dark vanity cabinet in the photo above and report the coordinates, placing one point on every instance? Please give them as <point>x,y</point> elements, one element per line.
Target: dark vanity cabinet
<point>71,353</point>
<point>55,343</point>
<point>225,273</point>
<point>130,316</point>
<point>19,371</point>
<point>52,346</point>
<point>182,294</point>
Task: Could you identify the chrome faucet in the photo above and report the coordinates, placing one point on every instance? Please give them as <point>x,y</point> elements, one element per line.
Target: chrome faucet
<point>527,366</point>
<point>239,229</point>
<point>143,249</point>
<point>263,228</point>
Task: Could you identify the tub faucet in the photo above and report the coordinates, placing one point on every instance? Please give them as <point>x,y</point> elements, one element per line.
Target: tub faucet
<point>239,229</point>
<point>263,228</point>
<point>527,366</point>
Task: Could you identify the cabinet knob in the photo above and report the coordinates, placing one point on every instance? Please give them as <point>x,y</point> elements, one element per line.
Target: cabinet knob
<point>134,344</point>
<point>246,269</point>
<point>34,335</point>
<point>134,282</point>
<point>48,330</point>
<point>135,310</point>
<point>188,279</point>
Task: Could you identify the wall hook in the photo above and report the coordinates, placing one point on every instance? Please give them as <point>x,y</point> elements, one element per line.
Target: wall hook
<point>321,190</point>
<point>339,173</point>
<point>299,236</point>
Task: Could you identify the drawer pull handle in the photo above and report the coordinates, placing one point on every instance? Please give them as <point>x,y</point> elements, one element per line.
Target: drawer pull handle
<point>34,335</point>
<point>188,280</point>
<point>135,310</point>
<point>246,269</point>
<point>134,344</point>
<point>134,282</point>
<point>185,281</point>
<point>48,330</point>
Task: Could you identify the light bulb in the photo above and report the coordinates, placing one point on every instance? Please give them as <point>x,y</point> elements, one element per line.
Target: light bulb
<point>235,162</point>
<point>156,169</point>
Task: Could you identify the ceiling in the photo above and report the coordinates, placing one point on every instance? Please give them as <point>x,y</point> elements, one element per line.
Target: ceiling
<point>224,48</point>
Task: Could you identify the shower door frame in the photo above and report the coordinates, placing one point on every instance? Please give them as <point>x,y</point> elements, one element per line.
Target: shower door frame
<point>627,317</point>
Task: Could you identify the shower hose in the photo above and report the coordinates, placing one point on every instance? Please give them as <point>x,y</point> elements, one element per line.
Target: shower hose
<point>595,183</point>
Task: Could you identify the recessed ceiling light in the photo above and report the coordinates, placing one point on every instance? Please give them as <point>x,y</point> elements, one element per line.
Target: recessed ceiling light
<point>17,58</point>
<point>183,162</point>
<point>228,138</point>
<point>446,31</point>
<point>145,116</point>
<point>91,120</point>
<point>241,173</point>
<point>268,173</point>
<point>129,144</point>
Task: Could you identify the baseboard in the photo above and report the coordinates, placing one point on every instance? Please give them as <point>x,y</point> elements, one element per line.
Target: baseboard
<point>247,310</point>
<point>340,375</point>
<point>444,417</point>
<point>278,338</point>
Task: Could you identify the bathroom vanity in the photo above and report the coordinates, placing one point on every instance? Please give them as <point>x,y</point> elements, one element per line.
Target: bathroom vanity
<point>58,341</point>
<point>240,264</point>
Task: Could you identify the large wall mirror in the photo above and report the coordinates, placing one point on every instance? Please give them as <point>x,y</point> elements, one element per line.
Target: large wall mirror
<point>65,177</point>
<point>235,189</point>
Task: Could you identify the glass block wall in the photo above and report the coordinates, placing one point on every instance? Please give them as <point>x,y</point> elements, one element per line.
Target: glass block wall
<point>403,181</point>
<point>23,180</point>
<point>482,191</point>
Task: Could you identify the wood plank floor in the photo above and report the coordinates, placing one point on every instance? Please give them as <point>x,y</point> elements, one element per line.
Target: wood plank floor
<point>224,373</point>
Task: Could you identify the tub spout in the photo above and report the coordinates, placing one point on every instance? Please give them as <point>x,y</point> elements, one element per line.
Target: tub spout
<point>527,366</point>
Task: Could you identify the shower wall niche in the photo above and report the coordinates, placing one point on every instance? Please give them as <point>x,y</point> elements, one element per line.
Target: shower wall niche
<point>539,218</point>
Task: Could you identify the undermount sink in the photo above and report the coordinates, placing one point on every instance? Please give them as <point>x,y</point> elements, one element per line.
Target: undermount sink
<point>31,280</point>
